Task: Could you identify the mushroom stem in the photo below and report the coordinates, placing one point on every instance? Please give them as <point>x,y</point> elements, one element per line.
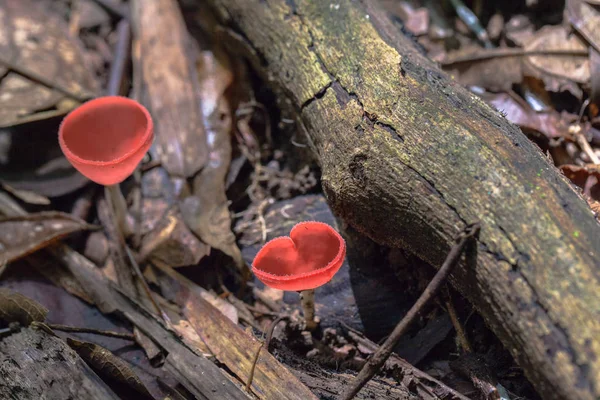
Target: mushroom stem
<point>307,299</point>
<point>116,201</point>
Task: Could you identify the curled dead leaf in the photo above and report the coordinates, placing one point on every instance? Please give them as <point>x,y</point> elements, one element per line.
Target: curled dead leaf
<point>14,307</point>
<point>107,364</point>
<point>23,235</point>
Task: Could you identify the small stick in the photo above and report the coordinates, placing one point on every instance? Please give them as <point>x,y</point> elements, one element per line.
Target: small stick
<point>307,299</point>
<point>383,353</point>
<point>272,328</point>
<point>75,329</point>
<point>120,57</point>
<point>460,332</point>
<point>254,362</point>
<point>265,344</point>
<point>140,276</point>
<point>587,149</point>
<point>509,52</point>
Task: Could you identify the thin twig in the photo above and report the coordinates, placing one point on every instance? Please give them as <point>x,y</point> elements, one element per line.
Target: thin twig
<point>121,55</point>
<point>75,329</point>
<point>383,353</point>
<point>272,328</point>
<point>586,148</point>
<point>265,344</point>
<point>460,332</point>
<point>140,276</point>
<point>405,368</point>
<point>509,52</point>
<point>261,218</point>
<point>253,368</point>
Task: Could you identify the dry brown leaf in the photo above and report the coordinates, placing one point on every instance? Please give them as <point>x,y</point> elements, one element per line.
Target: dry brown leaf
<point>14,307</point>
<point>35,40</point>
<point>586,177</point>
<point>575,67</point>
<point>106,363</point>
<point>171,86</point>
<point>22,235</point>
<point>206,212</point>
<point>586,19</point>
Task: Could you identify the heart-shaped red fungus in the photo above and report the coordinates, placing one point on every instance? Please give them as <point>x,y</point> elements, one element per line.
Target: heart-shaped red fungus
<point>106,138</point>
<point>307,259</point>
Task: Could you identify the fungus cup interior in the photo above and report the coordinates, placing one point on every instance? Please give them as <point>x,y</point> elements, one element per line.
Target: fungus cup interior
<point>106,138</point>
<point>307,259</point>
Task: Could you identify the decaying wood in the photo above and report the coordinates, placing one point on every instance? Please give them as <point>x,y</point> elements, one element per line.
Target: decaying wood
<point>35,365</point>
<point>409,157</point>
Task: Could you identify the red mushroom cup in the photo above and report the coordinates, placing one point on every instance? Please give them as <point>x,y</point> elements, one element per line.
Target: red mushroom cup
<point>106,138</point>
<point>305,260</point>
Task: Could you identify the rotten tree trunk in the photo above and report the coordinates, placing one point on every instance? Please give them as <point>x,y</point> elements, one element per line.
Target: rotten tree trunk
<point>409,157</point>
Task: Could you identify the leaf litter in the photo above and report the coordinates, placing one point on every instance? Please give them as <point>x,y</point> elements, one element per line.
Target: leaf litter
<point>225,158</point>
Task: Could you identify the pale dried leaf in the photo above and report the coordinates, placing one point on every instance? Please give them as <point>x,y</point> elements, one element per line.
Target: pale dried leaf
<point>36,40</point>
<point>206,212</point>
<point>493,69</point>
<point>573,66</point>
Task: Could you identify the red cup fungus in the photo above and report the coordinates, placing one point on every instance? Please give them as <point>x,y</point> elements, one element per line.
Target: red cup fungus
<point>106,138</point>
<point>305,260</point>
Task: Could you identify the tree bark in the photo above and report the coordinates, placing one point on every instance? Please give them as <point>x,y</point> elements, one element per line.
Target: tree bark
<point>409,157</point>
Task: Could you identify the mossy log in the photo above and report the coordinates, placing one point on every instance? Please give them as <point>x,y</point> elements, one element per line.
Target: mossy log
<point>409,157</point>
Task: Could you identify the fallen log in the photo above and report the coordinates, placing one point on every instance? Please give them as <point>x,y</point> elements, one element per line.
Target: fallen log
<point>34,365</point>
<point>409,157</point>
